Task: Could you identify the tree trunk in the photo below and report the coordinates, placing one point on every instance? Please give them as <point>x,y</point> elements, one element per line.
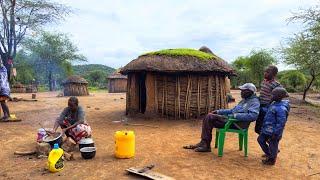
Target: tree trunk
<point>50,81</point>
<point>306,89</point>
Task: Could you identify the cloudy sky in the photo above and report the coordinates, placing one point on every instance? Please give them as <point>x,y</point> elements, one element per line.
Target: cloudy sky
<point>113,32</point>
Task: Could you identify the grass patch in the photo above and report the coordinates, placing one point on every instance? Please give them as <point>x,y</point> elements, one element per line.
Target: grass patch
<point>96,89</point>
<point>183,52</point>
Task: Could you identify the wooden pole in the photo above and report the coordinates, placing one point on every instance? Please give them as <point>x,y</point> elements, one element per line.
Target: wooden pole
<point>156,94</point>
<point>163,91</point>
<point>217,92</point>
<point>209,95</point>
<point>179,112</point>
<point>186,102</point>
<point>199,96</point>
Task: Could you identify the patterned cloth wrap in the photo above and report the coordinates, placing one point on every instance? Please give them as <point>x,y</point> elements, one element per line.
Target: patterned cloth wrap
<point>4,84</point>
<point>79,132</point>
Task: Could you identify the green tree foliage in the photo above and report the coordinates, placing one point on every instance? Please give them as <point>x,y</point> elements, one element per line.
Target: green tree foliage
<point>101,72</point>
<point>242,70</point>
<point>52,54</point>
<point>96,78</point>
<point>303,50</point>
<point>251,68</point>
<point>25,70</point>
<point>293,80</point>
<point>258,62</point>
<point>20,16</point>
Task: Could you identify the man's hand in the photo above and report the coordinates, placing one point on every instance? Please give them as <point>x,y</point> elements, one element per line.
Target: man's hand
<point>215,112</point>
<point>64,130</point>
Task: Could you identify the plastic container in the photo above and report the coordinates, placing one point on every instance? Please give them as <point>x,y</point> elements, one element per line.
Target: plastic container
<point>86,142</point>
<point>124,144</point>
<point>55,160</point>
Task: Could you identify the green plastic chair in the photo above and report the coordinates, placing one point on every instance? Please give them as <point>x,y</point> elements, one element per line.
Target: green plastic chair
<point>221,134</point>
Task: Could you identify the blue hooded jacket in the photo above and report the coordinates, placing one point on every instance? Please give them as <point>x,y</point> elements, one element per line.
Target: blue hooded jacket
<point>246,110</point>
<point>276,118</point>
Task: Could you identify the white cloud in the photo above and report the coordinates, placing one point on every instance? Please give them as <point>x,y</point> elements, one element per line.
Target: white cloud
<point>115,32</point>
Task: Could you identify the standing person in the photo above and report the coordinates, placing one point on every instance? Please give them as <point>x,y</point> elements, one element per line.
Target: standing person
<point>267,85</point>
<point>72,121</point>
<point>273,125</point>
<point>4,93</point>
<point>245,112</point>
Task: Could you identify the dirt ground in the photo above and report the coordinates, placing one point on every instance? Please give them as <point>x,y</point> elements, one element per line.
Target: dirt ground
<point>299,156</point>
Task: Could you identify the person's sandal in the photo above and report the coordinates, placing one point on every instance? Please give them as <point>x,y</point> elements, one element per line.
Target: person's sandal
<point>4,119</point>
<point>191,146</point>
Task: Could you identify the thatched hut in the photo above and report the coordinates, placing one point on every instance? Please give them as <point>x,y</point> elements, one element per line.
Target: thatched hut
<point>75,86</point>
<point>179,83</point>
<point>117,83</point>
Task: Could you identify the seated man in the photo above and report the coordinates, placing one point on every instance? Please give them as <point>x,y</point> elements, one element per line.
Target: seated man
<point>72,121</point>
<point>246,111</point>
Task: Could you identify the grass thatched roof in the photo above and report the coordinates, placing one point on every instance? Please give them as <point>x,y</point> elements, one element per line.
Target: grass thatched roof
<point>75,79</point>
<point>117,75</point>
<point>178,60</point>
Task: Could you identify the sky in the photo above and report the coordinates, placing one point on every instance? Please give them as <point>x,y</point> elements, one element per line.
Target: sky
<point>114,32</point>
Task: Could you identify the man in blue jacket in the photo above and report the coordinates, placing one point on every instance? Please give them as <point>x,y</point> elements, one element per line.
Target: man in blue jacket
<point>273,125</point>
<point>246,111</point>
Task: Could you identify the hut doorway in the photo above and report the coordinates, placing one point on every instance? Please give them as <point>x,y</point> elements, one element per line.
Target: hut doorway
<point>142,92</point>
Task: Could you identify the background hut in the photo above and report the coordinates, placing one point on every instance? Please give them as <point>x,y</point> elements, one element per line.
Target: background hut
<point>18,88</point>
<point>117,83</point>
<point>180,83</point>
<point>75,86</point>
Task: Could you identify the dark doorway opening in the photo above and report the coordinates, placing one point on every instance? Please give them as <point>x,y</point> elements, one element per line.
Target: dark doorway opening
<point>142,92</point>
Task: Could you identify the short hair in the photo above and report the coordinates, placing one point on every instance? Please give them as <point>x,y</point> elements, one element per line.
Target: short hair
<point>274,69</point>
<point>74,100</point>
<point>280,92</point>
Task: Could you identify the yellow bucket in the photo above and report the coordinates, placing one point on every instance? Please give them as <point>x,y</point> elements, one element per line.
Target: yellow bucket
<point>124,144</point>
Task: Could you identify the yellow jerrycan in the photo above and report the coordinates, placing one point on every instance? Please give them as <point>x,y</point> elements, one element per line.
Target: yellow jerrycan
<point>124,144</point>
<point>55,160</point>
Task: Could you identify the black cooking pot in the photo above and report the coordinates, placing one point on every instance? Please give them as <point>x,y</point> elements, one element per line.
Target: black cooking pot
<point>86,142</point>
<point>88,152</point>
<point>52,141</point>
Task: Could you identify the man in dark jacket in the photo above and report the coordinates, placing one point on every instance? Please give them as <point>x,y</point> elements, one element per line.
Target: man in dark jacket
<point>246,111</point>
<point>273,125</point>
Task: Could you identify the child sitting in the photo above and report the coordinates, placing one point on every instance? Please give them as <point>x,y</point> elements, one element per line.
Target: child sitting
<point>273,125</point>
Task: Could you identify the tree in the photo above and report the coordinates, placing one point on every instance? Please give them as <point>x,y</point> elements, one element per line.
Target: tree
<point>304,53</point>
<point>243,72</point>
<point>96,77</point>
<point>25,70</point>
<point>258,62</point>
<point>53,54</point>
<point>292,79</point>
<point>19,16</point>
<point>303,50</point>
<point>251,68</point>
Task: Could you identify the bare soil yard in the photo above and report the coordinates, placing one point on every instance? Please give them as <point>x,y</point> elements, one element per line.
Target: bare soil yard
<point>299,156</point>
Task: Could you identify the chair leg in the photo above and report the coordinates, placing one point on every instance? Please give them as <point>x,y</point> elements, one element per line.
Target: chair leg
<point>216,140</point>
<point>240,141</point>
<point>246,144</point>
<point>221,143</point>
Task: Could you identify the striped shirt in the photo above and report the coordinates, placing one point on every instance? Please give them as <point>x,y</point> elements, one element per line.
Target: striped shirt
<point>266,89</point>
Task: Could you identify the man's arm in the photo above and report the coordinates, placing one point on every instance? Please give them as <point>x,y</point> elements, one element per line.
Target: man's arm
<point>81,119</point>
<point>224,111</point>
<point>251,115</point>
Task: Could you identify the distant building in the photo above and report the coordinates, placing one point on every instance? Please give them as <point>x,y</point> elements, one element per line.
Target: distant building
<point>117,83</point>
<point>75,86</point>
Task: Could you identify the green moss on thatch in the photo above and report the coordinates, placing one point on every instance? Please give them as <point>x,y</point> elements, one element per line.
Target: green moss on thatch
<point>183,52</point>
